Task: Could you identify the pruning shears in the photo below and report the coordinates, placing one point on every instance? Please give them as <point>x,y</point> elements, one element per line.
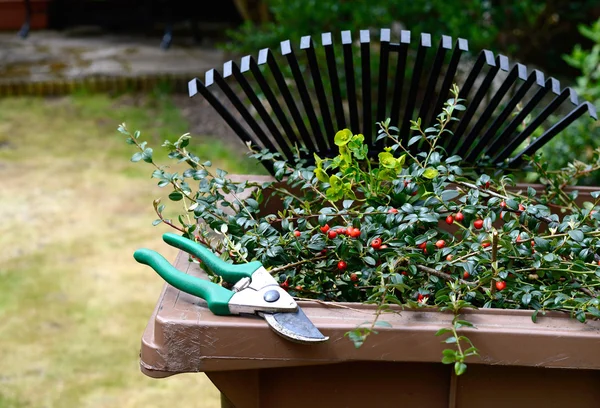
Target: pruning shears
<point>255,291</point>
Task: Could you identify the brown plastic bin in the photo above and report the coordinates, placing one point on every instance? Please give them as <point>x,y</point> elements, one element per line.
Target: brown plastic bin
<point>552,363</point>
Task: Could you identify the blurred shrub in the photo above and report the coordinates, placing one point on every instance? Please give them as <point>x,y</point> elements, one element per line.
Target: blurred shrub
<point>579,140</point>
<point>530,30</point>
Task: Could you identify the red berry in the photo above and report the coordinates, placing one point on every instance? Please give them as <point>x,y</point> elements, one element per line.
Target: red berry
<point>404,273</point>
<point>487,184</point>
<point>466,275</point>
<point>297,233</point>
<point>449,257</point>
<point>406,183</point>
<point>392,211</point>
<point>420,297</point>
<point>299,288</point>
<point>324,251</point>
<point>422,245</point>
<point>325,228</point>
<point>459,217</point>
<point>341,231</point>
<point>342,265</point>
<point>331,234</point>
<point>486,244</point>
<point>521,208</point>
<point>532,243</point>
<point>285,285</point>
<point>500,285</point>
<point>384,246</point>
<point>355,233</point>
<point>440,244</point>
<point>449,220</point>
<point>376,243</point>
<point>598,263</point>
<point>353,277</point>
<point>478,224</point>
<point>503,204</point>
<point>414,193</point>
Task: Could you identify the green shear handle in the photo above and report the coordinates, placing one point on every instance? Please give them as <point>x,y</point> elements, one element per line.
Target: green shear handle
<point>215,295</point>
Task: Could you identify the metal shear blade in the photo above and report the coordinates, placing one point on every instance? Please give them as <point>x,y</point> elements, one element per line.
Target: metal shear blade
<point>296,327</point>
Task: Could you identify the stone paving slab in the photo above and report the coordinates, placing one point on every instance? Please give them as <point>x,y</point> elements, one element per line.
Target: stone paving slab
<point>47,56</point>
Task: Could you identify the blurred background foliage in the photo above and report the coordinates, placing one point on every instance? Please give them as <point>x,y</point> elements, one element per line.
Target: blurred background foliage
<point>579,140</point>
<point>531,31</point>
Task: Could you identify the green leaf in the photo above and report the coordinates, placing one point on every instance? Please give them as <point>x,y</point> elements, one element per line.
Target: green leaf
<point>453,159</point>
<point>460,368</point>
<point>464,323</point>
<point>595,194</point>
<point>534,316</point>
<point>382,323</point>
<point>175,196</point>
<point>147,155</point>
<point>342,137</point>
<point>136,157</point>
<point>526,298</point>
<point>430,173</point>
<point>594,311</point>
<point>321,175</point>
<point>414,140</point>
<point>156,222</point>
<point>531,192</point>
<point>387,160</point>
<point>448,195</point>
<point>369,261</point>
<point>252,203</point>
<point>442,331</point>
<point>450,340</point>
<point>576,235</point>
<point>347,204</point>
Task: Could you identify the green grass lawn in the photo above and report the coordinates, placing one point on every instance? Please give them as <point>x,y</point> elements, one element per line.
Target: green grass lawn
<point>73,302</point>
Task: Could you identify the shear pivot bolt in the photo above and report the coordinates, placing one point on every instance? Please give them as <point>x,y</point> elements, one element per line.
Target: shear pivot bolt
<point>271,296</point>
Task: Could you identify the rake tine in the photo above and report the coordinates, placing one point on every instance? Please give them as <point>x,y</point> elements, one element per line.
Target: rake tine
<point>445,44</point>
<point>334,80</point>
<point>466,88</point>
<point>195,86</point>
<point>350,81</point>
<point>536,77</point>
<point>515,72</point>
<point>509,142</point>
<point>402,49</point>
<point>260,109</point>
<point>567,93</point>
<point>237,103</point>
<point>288,52</point>
<point>462,145</point>
<point>306,44</point>
<point>238,73</point>
<point>482,90</point>
<point>365,58</point>
<point>266,56</point>
<point>460,46</point>
<point>414,86</point>
<point>384,56</point>
<point>268,92</point>
<point>554,130</point>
